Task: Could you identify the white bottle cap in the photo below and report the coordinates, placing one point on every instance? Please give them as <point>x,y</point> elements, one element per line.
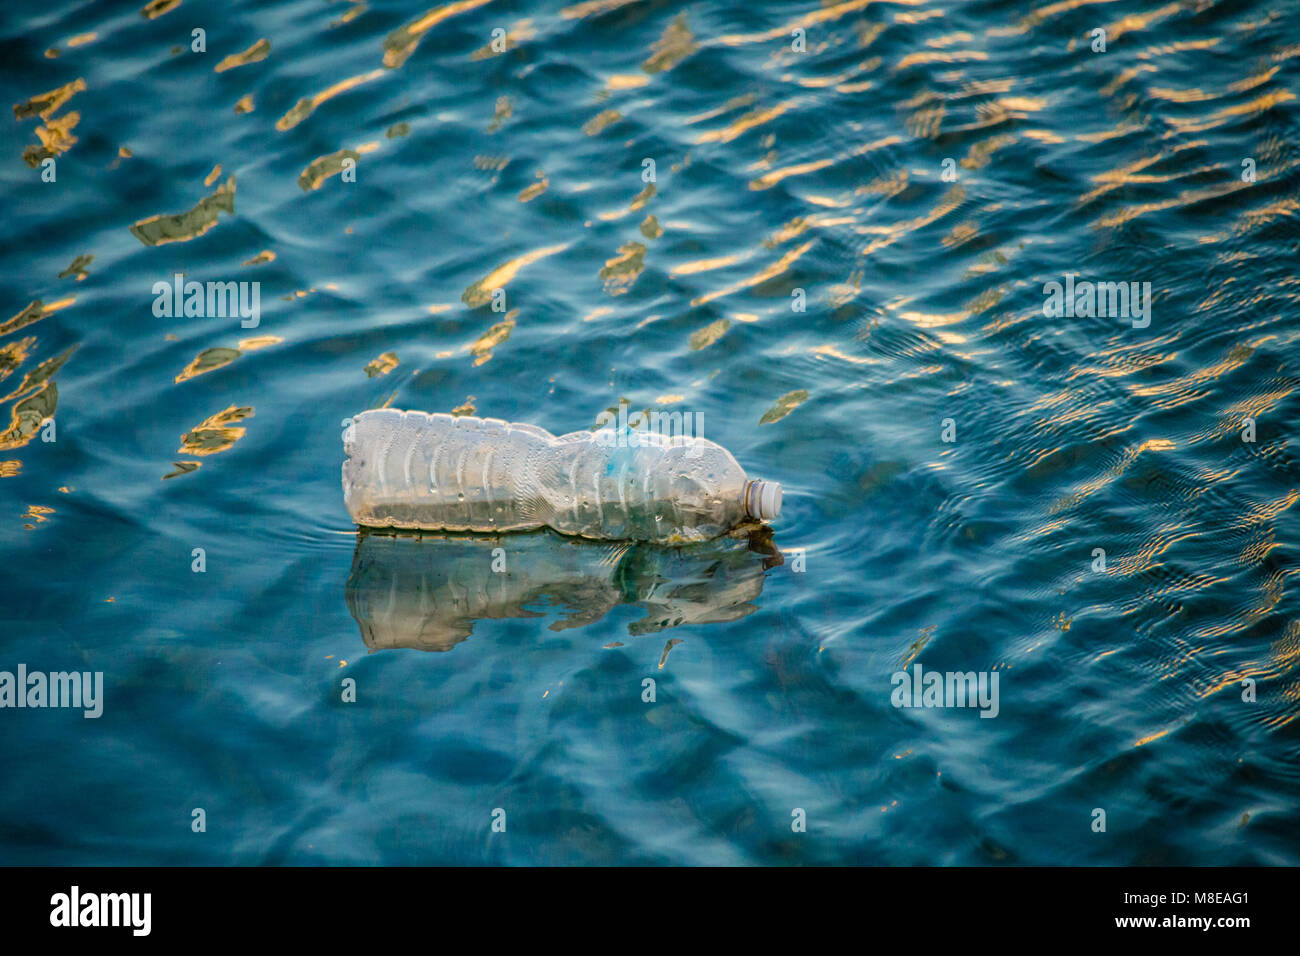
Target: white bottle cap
<point>763,499</point>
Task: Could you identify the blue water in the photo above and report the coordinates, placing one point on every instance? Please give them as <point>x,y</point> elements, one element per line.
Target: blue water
<point>952,457</point>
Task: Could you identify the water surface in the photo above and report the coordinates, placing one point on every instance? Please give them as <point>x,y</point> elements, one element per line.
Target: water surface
<point>437,224</point>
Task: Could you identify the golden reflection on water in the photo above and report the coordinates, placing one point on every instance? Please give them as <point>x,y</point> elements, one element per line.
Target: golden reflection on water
<point>1140,21</point>
<point>784,406</point>
<point>623,269</point>
<point>518,33</point>
<point>1131,173</point>
<point>480,292</point>
<point>37,514</point>
<point>47,104</point>
<point>216,433</point>
<point>207,361</point>
<point>529,193</point>
<point>182,468</point>
<point>358,7</point>
<point>156,8</point>
<point>763,275</point>
<point>35,398</point>
<point>212,359</point>
<point>401,43</point>
<point>56,139</point>
<point>932,57</point>
<point>181,227</point>
<point>308,104</point>
<point>770,179</point>
<point>707,265</point>
<point>482,347</point>
<point>626,81</point>
<point>35,311</point>
<point>1260,104</point>
<point>826,14</point>
<point>382,365</point>
<point>637,204</point>
<point>323,167</point>
<point>78,267</point>
<point>55,134</point>
<point>950,201</point>
<point>602,120</point>
<point>592,7</point>
<point>675,45</point>
<point>743,124</point>
<point>254,54</point>
<point>706,336</point>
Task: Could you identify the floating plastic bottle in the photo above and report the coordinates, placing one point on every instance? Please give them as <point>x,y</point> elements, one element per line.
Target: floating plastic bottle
<point>415,470</point>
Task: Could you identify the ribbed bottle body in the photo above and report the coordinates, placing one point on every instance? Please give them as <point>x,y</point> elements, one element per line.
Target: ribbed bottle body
<point>434,471</point>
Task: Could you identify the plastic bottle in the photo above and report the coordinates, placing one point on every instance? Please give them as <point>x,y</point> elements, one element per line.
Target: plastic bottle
<point>438,472</point>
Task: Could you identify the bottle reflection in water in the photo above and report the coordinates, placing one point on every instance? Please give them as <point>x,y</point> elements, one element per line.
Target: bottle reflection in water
<point>427,591</point>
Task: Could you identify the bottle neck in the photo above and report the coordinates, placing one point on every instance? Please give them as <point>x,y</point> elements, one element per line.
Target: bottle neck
<point>762,499</point>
